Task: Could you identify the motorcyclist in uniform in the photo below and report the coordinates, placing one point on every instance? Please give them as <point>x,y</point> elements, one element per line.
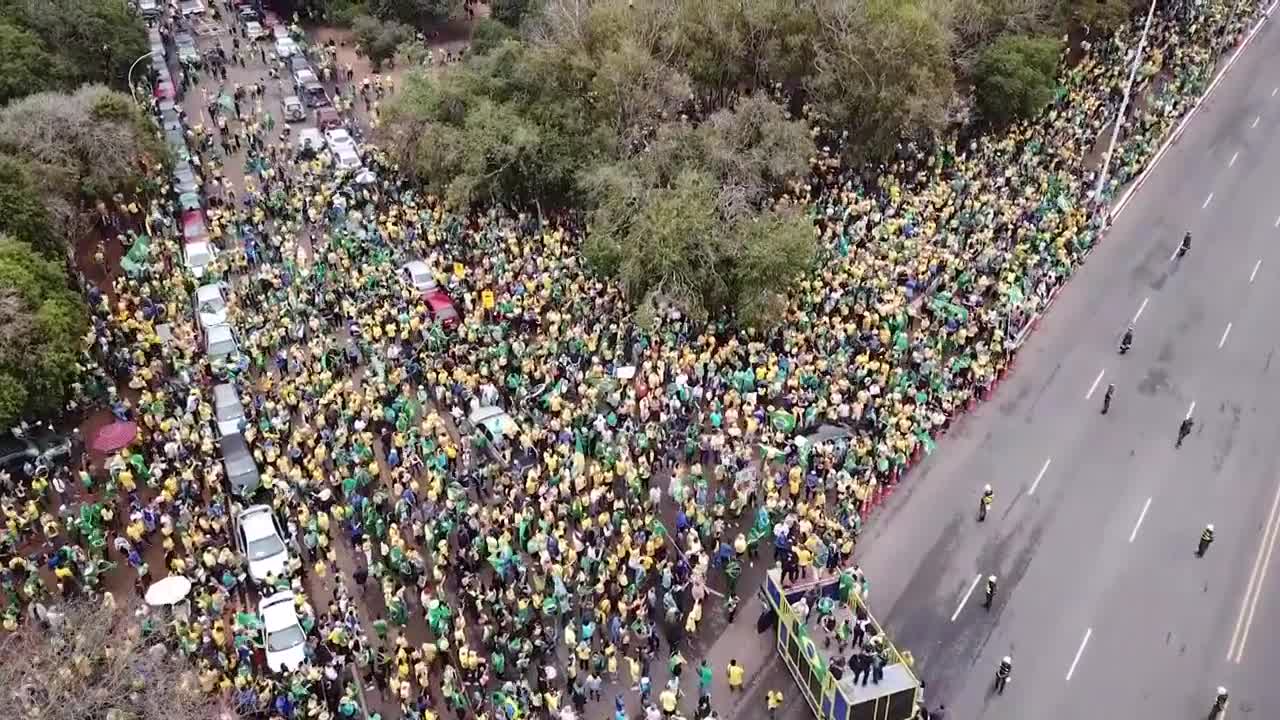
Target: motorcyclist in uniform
<point>984,502</point>
<point>991,591</point>
<point>1186,244</point>
<point>1002,673</point>
<point>1126,341</point>
<point>1206,538</point>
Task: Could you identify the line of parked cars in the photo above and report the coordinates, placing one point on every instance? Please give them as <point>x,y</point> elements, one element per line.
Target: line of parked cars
<point>259,533</point>
<point>328,132</point>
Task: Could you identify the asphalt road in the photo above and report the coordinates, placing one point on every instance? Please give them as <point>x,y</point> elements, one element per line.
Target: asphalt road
<point>1103,605</point>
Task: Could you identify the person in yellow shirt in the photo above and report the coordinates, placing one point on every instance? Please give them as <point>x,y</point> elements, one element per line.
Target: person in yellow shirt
<point>736,674</point>
<point>668,700</point>
<point>773,701</point>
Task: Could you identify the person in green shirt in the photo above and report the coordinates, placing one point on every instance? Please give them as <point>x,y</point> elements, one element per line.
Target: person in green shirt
<point>705,676</point>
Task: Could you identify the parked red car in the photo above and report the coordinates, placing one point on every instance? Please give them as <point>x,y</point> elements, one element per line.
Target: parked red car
<point>442,308</point>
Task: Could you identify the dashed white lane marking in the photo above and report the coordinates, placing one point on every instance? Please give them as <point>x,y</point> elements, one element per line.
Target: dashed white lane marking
<point>1040,477</point>
<point>1207,201</point>
<point>1191,409</point>
<point>965,599</point>
<point>1138,524</point>
<point>1277,222</point>
<point>1225,333</point>
<point>1072,670</point>
<point>1273,92</point>
<point>1140,309</point>
<point>1256,121</point>
<point>1256,578</point>
<point>1233,159</point>
<point>1254,274</point>
<point>1094,386</point>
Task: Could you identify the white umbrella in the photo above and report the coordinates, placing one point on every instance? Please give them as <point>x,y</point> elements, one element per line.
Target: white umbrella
<point>169,591</point>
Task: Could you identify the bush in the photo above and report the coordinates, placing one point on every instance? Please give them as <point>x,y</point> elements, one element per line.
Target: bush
<point>1015,77</point>
<point>489,34</point>
<point>379,39</point>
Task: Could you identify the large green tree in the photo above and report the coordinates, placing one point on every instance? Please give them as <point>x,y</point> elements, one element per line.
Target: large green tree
<point>683,221</point>
<point>88,144</point>
<point>378,39</point>
<point>1015,77</point>
<point>884,71</point>
<point>512,124</point>
<point>23,214</point>
<point>25,65</point>
<point>91,41</point>
<point>41,324</point>
<point>415,13</point>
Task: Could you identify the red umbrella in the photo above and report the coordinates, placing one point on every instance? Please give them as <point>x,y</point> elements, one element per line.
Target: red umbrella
<point>115,436</point>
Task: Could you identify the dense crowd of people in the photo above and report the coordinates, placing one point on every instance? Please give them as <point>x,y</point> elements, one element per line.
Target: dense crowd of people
<point>519,574</point>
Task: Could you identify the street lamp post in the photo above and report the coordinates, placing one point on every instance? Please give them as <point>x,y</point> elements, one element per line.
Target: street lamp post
<point>1124,103</point>
<point>129,77</point>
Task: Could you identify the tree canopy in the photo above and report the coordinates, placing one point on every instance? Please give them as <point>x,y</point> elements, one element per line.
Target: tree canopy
<point>60,44</point>
<point>675,124</point>
<point>97,662</point>
<point>1015,77</point>
<point>90,143</point>
<point>42,321</point>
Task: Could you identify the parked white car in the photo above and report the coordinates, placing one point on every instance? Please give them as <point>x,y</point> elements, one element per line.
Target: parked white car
<point>286,47</point>
<point>309,138</point>
<point>220,342</point>
<point>211,305</point>
<point>338,139</point>
<point>198,255</point>
<point>419,275</point>
<point>262,543</point>
<point>282,635</point>
<point>347,159</point>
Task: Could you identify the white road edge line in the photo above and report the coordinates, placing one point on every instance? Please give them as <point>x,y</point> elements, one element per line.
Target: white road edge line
<point>1138,524</point>
<point>965,599</point>
<point>1083,643</point>
<point>1191,409</point>
<point>1039,477</point>
<point>1256,121</point>
<point>1207,201</point>
<point>1094,386</point>
<point>1233,159</point>
<point>1123,202</point>
<point>1225,333</point>
<point>1254,274</point>
<point>1140,309</point>
<point>1255,580</point>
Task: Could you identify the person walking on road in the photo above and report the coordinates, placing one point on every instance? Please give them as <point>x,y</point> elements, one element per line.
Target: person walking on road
<point>1106,399</point>
<point>705,675</point>
<point>736,674</point>
<point>773,701</point>
<point>1206,539</point>
<point>1002,674</point>
<point>1184,430</point>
